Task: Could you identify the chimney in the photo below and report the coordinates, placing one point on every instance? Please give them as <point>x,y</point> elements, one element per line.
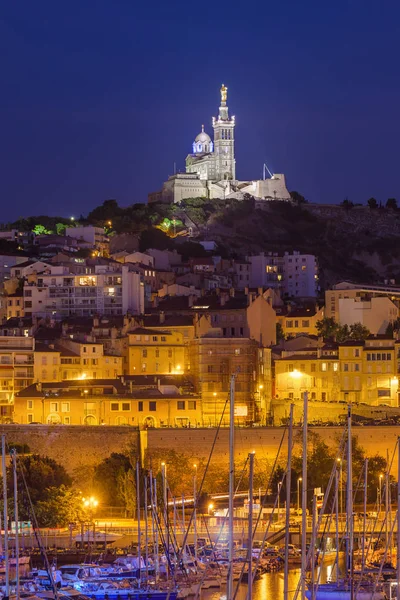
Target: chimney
<point>95,321</point>
<point>222,299</point>
<point>250,297</point>
<point>260,291</point>
<point>162,316</point>
<point>39,387</point>
<point>246,290</point>
<point>190,301</point>
<point>155,301</point>
<point>232,292</point>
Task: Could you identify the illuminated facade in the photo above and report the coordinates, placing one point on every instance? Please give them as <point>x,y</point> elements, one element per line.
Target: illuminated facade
<point>107,402</point>
<point>154,351</point>
<point>351,372</point>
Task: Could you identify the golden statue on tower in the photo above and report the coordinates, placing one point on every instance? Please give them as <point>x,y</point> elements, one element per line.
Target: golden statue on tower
<point>224,93</point>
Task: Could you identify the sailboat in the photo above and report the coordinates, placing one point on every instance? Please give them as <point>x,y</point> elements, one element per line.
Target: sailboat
<point>347,588</point>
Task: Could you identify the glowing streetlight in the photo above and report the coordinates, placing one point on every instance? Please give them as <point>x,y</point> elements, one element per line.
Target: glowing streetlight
<point>299,480</point>
<point>210,507</point>
<point>295,374</point>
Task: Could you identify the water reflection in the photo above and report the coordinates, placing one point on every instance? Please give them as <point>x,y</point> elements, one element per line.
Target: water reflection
<point>270,585</point>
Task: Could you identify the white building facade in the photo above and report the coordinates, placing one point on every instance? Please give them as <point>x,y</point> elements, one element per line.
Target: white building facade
<point>295,275</point>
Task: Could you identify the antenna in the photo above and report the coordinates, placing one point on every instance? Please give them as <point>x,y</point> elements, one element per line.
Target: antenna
<point>265,168</point>
<point>174,168</point>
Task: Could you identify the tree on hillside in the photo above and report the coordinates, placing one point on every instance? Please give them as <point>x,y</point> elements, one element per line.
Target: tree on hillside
<point>358,331</point>
<point>155,238</point>
<point>391,203</point>
<point>296,197</point>
<point>106,212</point>
<point>39,473</point>
<point>327,328</point>
<point>63,505</point>
<point>110,479</point>
<point>347,204</point>
<point>279,333</point>
<point>372,203</point>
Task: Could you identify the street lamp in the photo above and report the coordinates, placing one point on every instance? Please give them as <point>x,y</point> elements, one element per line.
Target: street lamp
<point>299,480</point>
<point>279,493</point>
<point>215,408</point>
<point>380,494</point>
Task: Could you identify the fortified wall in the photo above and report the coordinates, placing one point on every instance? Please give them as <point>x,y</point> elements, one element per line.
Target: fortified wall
<point>77,447</point>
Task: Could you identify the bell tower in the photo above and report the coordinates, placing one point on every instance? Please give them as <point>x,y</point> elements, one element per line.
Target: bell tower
<point>224,141</point>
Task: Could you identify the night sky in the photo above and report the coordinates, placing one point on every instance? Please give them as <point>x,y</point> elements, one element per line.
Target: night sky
<point>98,99</point>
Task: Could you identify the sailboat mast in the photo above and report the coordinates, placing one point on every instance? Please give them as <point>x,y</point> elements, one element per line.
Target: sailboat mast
<point>250,530</point>
<point>288,490</point>
<point>139,551</point>
<point>304,500</point>
<point>398,519</point>
<point>350,541</point>
<point>14,465</point>
<point>146,534</point>
<point>7,566</point>
<point>365,512</point>
<point>229,593</point>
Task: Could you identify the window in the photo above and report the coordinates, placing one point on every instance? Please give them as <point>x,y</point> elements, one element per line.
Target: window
<point>67,421</point>
<point>289,323</point>
<point>305,323</point>
<point>152,405</point>
<point>157,353</point>
<point>30,405</point>
<point>356,352</point>
<point>170,353</point>
<point>209,368</point>
<point>140,406</point>
<point>84,349</point>
<point>65,407</point>
<point>53,406</point>
<point>126,406</point>
<point>30,418</point>
<point>313,396</point>
<point>114,406</point>
<point>157,367</point>
<point>192,404</point>
<point>181,405</point>
<point>312,367</point>
<point>237,351</point>
<point>44,360</point>
<point>323,396</point>
<point>155,338</point>
<point>144,367</point>
<point>138,338</point>
<point>163,338</point>
<point>356,367</point>
<point>94,349</point>
<point>384,393</point>
<point>323,366</point>
<point>28,304</point>
<point>144,352</point>
<point>335,366</point>
<point>345,367</point>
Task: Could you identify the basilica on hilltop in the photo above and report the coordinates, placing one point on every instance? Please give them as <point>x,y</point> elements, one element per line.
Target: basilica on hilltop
<point>211,168</point>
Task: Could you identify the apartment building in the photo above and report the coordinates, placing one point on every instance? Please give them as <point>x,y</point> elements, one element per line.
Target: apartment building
<point>107,402</point>
<point>213,361</point>
<point>351,372</point>
<point>83,289</point>
<point>296,275</point>
<point>16,365</point>
<point>155,351</point>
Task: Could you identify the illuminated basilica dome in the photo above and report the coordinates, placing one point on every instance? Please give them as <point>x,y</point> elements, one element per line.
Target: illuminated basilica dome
<point>202,143</point>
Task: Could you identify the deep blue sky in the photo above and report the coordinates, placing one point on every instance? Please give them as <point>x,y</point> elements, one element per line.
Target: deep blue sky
<point>99,98</point>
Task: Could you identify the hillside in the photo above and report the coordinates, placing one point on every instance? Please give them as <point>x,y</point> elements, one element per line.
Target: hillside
<point>359,243</point>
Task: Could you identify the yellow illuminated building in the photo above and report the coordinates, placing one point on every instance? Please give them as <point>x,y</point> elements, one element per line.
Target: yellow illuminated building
<point>106,402</point>
<point>300,321</point>
<point>352,372</point>
<point>154,351</point>
<point>74,360</point>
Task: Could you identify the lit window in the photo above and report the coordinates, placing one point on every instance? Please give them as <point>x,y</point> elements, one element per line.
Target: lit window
<point>65,407</point>
<point>323,366</point>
